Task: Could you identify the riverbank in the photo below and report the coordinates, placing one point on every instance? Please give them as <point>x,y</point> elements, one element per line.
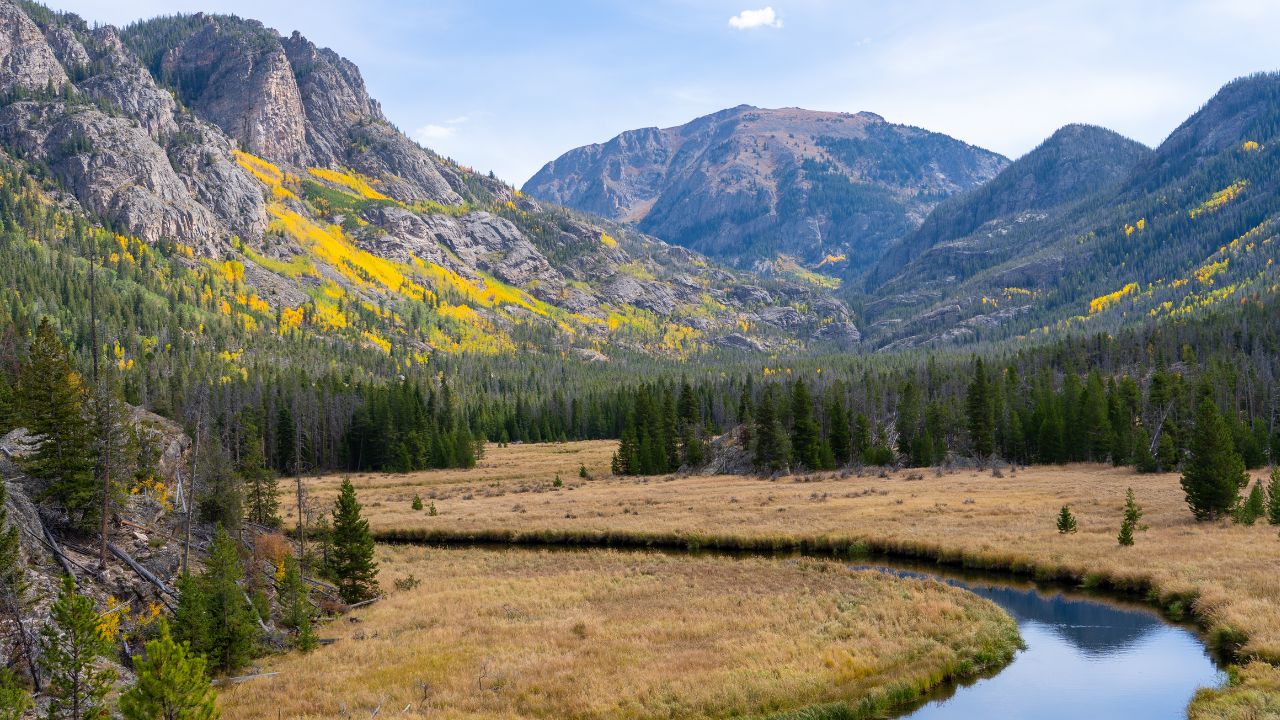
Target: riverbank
<point>604,634</point>
<point>1224,576</point>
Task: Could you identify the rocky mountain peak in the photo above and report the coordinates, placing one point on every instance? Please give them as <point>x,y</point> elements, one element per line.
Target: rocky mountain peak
<point>27,62</point>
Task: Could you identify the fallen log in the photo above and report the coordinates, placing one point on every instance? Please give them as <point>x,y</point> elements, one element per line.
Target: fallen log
<point>145,573</point>
<point>243,678</point>
<point>63,560</point>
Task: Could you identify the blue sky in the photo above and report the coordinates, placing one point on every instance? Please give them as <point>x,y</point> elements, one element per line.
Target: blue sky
<point>509,85</point>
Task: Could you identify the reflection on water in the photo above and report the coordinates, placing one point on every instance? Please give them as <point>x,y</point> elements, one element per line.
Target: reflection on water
<point>1085,658</point>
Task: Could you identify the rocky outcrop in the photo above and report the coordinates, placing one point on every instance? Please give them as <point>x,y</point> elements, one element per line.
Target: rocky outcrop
<point>235,74</point>
<point>112,166</point>
<point>27,62</point>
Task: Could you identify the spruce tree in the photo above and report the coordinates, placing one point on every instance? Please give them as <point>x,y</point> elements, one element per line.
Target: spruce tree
<point>772,452</point>
<point>221,501</point>
<point>1066,521</point>
<point>1129,523</point>
<point>839,437</point>
<point>1095,420</point>
<point>1273,497</point>
<point>261,488</point>
<point>978,408</point>
<point>351,563</point>
<point>1214,473</point>
<point>295,605</point>
<point>417,502</point>
<point>806,447</point>
<point>232,630</point>
<point>1254,506</point>
<point>70,646</point>
<point>171,683</point>
<point>51,397</point>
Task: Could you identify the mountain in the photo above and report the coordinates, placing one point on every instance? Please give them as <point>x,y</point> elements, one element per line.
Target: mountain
<point>261,162</point>
<point>750,186</point>
<point>1091,230</point>
<point>968,229</point>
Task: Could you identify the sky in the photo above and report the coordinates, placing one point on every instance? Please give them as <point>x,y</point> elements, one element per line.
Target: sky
<point>507,85</point>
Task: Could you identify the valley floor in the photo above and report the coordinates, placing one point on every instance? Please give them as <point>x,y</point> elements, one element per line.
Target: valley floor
<point>1225,575</point>
<point>617,634</point>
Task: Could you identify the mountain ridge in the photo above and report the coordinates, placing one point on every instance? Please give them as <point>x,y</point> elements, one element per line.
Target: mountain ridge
<point>747,184</point>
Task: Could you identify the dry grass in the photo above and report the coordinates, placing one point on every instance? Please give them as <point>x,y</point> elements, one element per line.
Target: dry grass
<point>1227,574</point>
<point>1253,694</point>
<point>609,634</point>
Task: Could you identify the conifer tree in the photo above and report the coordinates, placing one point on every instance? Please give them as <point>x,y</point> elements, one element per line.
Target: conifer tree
<point>295,607</point>
<point>1132,514</point>
<point>15,700</point>
<point>51,399</point>
<point>805,435</point>
<point>171,683</point>
<point>70,646</point>
<point>772,451</point>
<point>351,562</point>
<point>191,618</point>
<point>1066,521</point>
<point>232,631</point>
<point>261,488</point>
<point>862,438</point>
<point>1214,473</point>
<point>1273,497</point>
<point>417,502</point>
<point>979,410</point>
<point>221,501</point>
<point>839,437</point>
<point>1095,420</point>
<point>1253,507</point>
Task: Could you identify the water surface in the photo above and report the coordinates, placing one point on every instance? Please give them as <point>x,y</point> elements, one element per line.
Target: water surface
<point>1086,657</point>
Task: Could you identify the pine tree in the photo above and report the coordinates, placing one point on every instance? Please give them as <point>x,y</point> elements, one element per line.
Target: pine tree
<point>1273,497</point>
<point>1213,474</point>
<point>772,450</point>
<point>261,488</point>
<point>1254,506</point>
<point>232,631</point>
<point>70,646</point>
<point>15,700</point>
<point>839,438</point>
<point>805,439</point>
<point>352,564</point>
<point>979,410</point>
<point>417,502</point>
<point>171,683</point>
<point>1132,514</point>
<point>295,606</point>
<point>51,399</point>
<point>221,501</point>
<point>1094,419</point>
<point>1066,521</point>
<point>191,618</point>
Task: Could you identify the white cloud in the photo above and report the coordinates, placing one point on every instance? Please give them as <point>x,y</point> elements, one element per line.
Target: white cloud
<point>749,19</point>
<point>427,133</point>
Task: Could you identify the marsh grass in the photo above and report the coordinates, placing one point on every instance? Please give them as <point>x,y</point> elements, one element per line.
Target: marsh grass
<point>1223,575</point>
<point>607,634</point>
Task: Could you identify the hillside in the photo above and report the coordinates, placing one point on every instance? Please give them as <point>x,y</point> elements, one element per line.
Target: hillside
<point>262,160</point>
<point>1091,231</point>
<point>771,189</point>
